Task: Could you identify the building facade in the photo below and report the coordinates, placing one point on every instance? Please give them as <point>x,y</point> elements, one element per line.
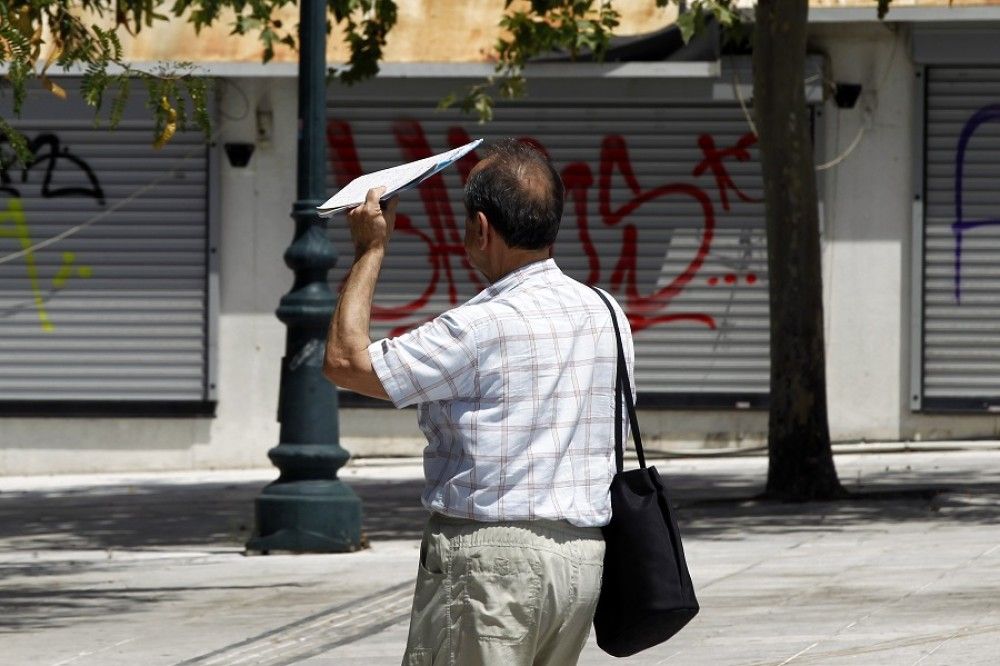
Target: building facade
<point>146,338</point>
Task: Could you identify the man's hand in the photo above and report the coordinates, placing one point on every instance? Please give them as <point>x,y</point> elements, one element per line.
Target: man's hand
<point>370,225</point>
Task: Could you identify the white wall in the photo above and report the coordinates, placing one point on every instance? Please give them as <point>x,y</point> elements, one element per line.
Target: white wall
<point>255,229</point>
<point>866,230</point>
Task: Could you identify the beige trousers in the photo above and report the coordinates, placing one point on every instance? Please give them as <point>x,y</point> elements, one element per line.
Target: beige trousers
<point>504,593</point>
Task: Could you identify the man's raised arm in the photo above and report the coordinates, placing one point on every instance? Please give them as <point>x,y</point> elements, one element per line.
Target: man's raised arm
<point>346,362</point>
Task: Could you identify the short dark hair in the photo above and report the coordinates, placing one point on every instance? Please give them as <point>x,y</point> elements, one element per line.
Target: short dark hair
<point>520,193</point>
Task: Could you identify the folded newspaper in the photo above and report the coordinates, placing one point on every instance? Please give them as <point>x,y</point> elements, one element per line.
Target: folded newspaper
<point>395,179</point>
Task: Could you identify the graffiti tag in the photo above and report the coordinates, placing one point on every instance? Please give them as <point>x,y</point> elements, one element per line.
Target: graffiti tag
<point>443,245</point>
<point>961,225</point>
<point>50,156</point>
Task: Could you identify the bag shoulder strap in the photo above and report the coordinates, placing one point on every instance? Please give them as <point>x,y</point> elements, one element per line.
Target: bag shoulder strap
<point>623,388</point>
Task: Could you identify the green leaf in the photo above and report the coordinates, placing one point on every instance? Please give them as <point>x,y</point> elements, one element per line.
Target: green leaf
<point>687,22</point>
<point>93,84</point>
<point>484,108</point>
<point>18,74</point>
<point>118,105</point>
<point>197,90</point>
<point>17,142</point>
<point>724,15</point>
<point>512,87</point>
<point>365,30</point>
<point>447,101</point>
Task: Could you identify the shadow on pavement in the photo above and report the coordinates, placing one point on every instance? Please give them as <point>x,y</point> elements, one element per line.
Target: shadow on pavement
<point>733,509</point>
<point>210,516</point>
<point>51,543</point>
<point>202,516</point>
<point>39,531</point>
<point>27,607</point>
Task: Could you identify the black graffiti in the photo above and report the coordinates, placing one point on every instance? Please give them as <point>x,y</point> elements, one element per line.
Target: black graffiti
<point>48,153</point>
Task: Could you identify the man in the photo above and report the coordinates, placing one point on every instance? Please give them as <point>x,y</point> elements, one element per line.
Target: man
<point>516,398</point>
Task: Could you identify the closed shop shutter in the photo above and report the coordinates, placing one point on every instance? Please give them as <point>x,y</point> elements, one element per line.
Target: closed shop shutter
<point>117,312</point>
<point>662,208</point>
<point>961,263</point>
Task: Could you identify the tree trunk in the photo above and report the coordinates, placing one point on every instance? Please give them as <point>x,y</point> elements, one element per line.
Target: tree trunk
<point>800,458</point>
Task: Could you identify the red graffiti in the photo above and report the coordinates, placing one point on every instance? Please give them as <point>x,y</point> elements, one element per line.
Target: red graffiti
<point>442,246</point>
<point>731,279</point>
<point>577,180</point>
<point>643,310</point>
<point>713,161</point>
<point>443,241</point>
<point>457,136</point>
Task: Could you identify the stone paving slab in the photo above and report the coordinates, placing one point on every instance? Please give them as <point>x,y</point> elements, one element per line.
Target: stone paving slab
<point>148,569</point>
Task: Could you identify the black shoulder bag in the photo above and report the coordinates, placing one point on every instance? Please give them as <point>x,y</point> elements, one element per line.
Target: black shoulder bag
<point>646,593</point>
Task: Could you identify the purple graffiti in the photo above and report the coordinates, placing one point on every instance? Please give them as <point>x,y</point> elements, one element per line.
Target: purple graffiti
<point>961,225</point>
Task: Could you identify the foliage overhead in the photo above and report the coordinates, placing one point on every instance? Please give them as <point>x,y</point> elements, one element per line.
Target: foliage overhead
<point>36,35</point>
<point>84,35</point>
<point>536,29</point>
<point>583,27</point>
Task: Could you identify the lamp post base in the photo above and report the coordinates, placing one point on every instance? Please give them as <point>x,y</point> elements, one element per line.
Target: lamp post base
<point>314,516</point>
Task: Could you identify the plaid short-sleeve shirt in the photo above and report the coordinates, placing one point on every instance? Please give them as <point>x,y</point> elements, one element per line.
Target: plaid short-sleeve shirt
<point>515,394</point>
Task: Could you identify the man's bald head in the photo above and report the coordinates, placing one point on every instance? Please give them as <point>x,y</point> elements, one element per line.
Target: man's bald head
<point>518,190</point>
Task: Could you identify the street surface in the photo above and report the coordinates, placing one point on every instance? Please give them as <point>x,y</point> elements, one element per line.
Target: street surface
<point>148,568</point>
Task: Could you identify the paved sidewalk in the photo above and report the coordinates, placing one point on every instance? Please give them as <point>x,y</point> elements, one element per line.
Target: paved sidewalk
<point>148,569</point>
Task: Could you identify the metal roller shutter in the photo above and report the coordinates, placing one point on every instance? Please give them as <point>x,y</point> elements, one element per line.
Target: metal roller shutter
<point>117,311</point>
<point>662,208</point>
<point>961,269</point>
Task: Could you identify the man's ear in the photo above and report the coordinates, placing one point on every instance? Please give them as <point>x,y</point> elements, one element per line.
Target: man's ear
<point>485,231</point>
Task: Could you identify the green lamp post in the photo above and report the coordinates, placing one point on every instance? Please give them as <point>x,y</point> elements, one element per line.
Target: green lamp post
<point>308,509</point>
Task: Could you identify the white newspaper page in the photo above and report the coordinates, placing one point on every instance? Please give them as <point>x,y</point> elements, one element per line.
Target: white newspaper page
<point>394,179</point>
